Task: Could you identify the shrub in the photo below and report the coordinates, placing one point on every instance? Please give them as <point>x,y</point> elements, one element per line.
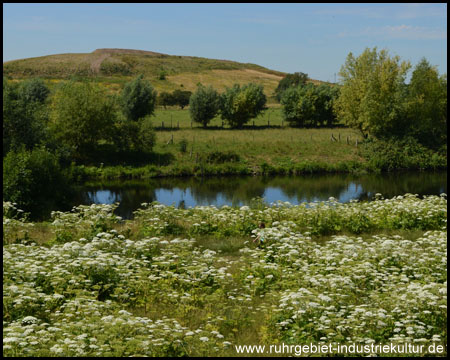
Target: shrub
<point>183,145</point>
<point>35,181</point>
<point>219,157</point>
<point>389,155</point>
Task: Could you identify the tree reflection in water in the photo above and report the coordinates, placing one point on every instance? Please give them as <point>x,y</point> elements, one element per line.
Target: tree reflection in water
<point>237,191</point>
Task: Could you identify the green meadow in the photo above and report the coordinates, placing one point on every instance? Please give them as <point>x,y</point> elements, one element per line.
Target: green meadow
<point>265,145</point>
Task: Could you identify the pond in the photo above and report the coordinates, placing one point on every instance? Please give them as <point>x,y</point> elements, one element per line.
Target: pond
<point>238,191</point>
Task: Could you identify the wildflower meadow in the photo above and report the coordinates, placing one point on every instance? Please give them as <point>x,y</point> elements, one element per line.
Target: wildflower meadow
<point>192,282</point>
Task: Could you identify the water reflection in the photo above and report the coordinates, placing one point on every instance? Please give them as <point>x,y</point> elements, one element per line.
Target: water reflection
<point>238,191</point>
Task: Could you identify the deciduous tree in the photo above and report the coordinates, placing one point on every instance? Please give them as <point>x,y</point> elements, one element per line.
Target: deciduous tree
<point>239,105</point>
<point>204,104</point>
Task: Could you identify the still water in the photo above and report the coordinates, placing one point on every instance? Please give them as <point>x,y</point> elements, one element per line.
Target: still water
<point>238,191</point>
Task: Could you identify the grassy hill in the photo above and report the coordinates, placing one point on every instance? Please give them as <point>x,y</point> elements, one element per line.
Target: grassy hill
<point>113,67</point>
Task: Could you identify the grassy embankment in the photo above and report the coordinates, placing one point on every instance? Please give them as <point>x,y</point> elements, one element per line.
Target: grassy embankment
<point>223,151</point>
<point>176,282</point>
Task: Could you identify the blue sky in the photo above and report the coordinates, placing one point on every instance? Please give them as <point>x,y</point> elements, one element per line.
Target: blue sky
<point>311,38</point>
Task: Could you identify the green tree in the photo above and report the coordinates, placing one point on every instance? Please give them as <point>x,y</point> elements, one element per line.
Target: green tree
<point>239,105</point>
<point>299,105</point>
<point>290,80</point>
<point>204,105</point>
<point>181,97</point>
<point>137,136</point>
<point>25,117</point>
<point>310,105</point>
<point>372,93</point>
<point>427,105</point>
<point>165,99</point>
<point>82,114</point>
<point>138,99</point>
<point>326,96</point>
<point>34,180</point>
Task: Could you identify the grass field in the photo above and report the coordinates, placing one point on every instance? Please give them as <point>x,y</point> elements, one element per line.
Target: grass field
<point>176,282</point>
<point>269,146</point>
<point>270,140</point>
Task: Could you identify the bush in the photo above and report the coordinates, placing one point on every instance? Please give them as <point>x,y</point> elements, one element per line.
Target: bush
<point>33,90</point>
<point>219,157</point>
<point>35,181</point>
<point>112,68</point>
<point>134,135</point>
<point>183,145</point>
<point>389,155</point>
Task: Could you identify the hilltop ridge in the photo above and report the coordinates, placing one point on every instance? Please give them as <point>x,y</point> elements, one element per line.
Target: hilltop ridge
<point>114,66</point>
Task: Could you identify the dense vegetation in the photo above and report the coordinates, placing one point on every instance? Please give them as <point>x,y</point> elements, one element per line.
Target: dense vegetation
<point>176,282</point>
<point>84,125</point>
<point>375,99</point>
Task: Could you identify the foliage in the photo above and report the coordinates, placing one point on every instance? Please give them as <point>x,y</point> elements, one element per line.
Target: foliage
<point>299,105</point>
<point>204,104</point>
<point>372,93</point>
<point>35,181</point>
<point>114,68</point>
<point>309,105</point>
<point>191,282</point>
<point>134,135</point>
<point>138,99</point>
<point>290,80</point>
<point>146,138</point>
<point>162,75</point>
<point>183,145</point>
<point>181,98</point>
<point>178,97</point>
<point>427,105</point>
<point>397,154</point>
<point>82,114</point>
<point>24,115</point>
<point>239,105</point>
<point>33,90</point>
<point>165,99</point>
<point>219,157</point>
